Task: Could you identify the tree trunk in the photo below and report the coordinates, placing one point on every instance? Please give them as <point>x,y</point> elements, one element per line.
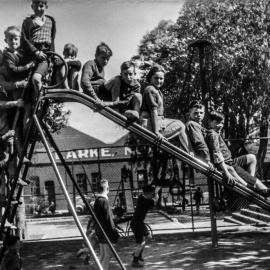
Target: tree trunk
<point>263,144</point>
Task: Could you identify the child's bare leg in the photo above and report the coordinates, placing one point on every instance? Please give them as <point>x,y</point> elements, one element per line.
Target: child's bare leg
<point>61,73</point>
<point>36,80</point>
<point>236,176</point>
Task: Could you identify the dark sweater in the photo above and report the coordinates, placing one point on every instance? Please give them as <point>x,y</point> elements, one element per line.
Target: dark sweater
<point>28,27</point>
<point>92,78</point>
<point>16,65</point>
<point>196,134</point>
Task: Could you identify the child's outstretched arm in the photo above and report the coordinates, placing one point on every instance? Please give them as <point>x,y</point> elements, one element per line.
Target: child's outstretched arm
<point>10,63</point>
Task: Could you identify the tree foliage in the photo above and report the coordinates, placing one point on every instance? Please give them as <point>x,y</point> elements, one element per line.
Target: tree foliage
<point>236,65</point>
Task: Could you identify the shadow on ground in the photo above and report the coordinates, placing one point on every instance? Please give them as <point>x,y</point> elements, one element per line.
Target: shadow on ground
<point>235,251</point>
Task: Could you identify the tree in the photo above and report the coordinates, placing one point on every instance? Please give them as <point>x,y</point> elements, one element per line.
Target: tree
<point>237,62</point>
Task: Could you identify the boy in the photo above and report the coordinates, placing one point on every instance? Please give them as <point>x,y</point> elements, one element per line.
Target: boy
<point>38,34</point>
<point>196,132</point>
<point>17,70</point>
<point>13,58</point>
<point>104,215</point>
<point>222,158</point>
<point>146,201</point>
<point>12,258</point>
<point>74,66</point>
<point>125,90</point>
<point>93,71</point>
<point>198,197</point>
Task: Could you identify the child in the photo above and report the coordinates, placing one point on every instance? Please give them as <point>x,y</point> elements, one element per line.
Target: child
<point>198,197</point>
<point>145,202</point>
<point>125,90</point>
<point>12,258</point>
<point>17,69</point>
<point>13,58</point>
<point>152,115</point>
<point>38,34</point>
<point>74,66</point>
<point>104,215</point>
<point>222,157</point>
<point>91,234</point>
<point>196,132</point>
<point>93,71</point>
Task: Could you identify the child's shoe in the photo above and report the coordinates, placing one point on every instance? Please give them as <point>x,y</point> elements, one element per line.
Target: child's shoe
<point>137,264</point>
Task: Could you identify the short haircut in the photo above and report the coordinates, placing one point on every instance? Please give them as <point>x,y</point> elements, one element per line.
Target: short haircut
<point>196,104</point>
<point>70,50</point>
<point>102,184</point>
<point>126,65</point>
<point>43,1</point>
<point>103,48</point>
<point>11,240</point>
<point>214,115</point>
<point>148,189</point>
<point>156,68</point>
<point>12,31</point>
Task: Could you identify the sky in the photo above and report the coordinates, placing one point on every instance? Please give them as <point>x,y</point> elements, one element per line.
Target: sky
<point>119,23</point>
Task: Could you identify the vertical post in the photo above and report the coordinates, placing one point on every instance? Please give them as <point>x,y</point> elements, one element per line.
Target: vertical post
<point>212,213</point>
<point>61,182</point>
<point>191,206</point>
<point>73,187</point>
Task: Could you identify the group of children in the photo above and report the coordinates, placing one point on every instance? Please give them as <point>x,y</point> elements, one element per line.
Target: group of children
<point>24,64</point>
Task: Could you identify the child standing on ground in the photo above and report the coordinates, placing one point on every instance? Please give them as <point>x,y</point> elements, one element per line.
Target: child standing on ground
<point>146,201</point>
<point>38,34</point>
<point>12,259</point>
<point>104,215</point>
<point>198,197</point>
<point>93,72</point>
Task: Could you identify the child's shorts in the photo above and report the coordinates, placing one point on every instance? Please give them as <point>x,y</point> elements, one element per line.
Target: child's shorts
<point>139,230</point>
<point>42,68</point>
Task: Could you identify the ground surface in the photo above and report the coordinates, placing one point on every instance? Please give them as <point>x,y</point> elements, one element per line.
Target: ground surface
<point>235,251</point>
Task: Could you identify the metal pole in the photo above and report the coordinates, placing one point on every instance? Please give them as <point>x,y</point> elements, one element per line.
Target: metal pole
<point>191,205</point>
<point>61,182</point>
<point>67,169</point>
<point>212,213</point>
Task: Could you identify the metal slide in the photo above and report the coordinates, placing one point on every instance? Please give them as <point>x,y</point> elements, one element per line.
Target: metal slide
<point>61,95</point>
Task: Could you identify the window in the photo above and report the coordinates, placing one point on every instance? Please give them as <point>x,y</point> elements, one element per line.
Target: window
<point>95,181</point>
<point>49,192</point>
<point>35,185</point>
<point>81,180</point>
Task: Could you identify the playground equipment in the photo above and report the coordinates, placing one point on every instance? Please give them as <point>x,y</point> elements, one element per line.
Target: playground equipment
<point>37,128</point>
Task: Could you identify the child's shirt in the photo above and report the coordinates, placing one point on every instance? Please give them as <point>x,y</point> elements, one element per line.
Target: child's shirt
<point>219,151</point>
<point>92,78</point>
<point>38,36</point>
<point>122,91</point>
<point>196,134</point>
<point>152,100</point>
<point>143,206</point>
<point>16,65</point>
